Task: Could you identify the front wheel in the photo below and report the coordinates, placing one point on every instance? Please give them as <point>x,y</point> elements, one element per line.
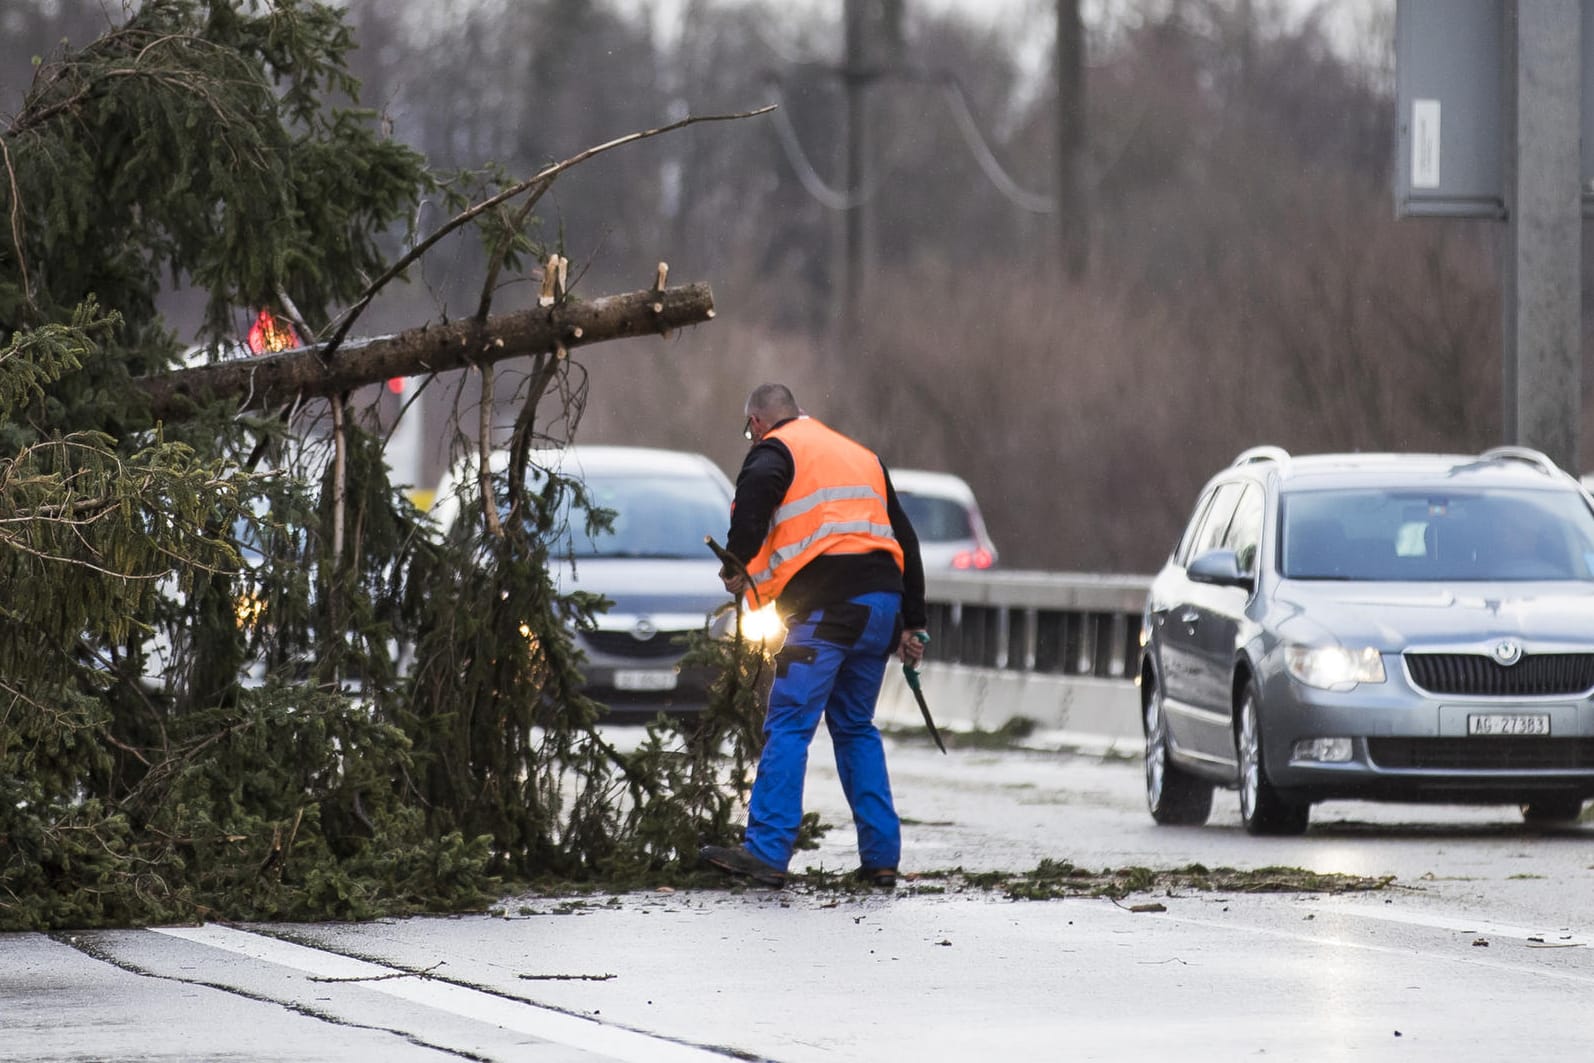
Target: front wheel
<point>1174,796</point>
<point>1262,809</point>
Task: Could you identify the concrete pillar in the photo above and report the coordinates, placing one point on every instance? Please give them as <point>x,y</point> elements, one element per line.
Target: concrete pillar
<point>1543,250</point>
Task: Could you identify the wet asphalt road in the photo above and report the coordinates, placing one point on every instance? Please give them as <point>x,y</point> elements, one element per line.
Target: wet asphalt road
<point>1480,950</point>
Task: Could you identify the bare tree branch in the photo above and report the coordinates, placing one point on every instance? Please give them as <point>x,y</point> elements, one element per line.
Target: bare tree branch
<point>543,178</point>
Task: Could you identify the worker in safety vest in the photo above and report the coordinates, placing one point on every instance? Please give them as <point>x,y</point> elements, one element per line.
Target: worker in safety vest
<point>820,533</point>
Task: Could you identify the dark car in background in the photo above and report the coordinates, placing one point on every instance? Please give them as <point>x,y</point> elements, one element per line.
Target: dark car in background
<point>652,565</point>
<point>1374,626</point>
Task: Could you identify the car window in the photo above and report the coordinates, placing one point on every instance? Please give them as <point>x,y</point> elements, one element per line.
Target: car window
<point>1245,529</point>
<point>653,516</point>
<point>1214,523</point>
<point>1425,535</point>
<point>1181,553</point>
<point>936,520</point>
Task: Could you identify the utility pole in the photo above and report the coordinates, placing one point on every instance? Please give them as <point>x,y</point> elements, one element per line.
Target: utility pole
<point>873,51</point>
<point>858,219</point>
<point>1247,18</point>
<point>1073,218</point>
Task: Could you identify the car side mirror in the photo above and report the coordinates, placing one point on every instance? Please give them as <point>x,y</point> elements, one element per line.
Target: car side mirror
<point>1221,568</point>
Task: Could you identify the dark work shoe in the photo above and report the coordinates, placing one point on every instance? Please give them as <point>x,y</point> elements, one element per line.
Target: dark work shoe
<point>739,861</point>
<point>884,878</point>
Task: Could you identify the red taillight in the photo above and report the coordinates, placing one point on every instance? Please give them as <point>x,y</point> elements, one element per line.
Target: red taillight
<point>395,384</point>
<point>979,557</point>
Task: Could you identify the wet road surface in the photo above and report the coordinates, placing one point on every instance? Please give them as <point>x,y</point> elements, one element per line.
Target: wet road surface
<point>1479,951</point>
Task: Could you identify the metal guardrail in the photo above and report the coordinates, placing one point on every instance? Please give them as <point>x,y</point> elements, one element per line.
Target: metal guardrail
<point>1048,623</point>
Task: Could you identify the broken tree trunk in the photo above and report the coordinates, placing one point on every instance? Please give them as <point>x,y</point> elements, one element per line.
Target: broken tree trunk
<point>277,379</point>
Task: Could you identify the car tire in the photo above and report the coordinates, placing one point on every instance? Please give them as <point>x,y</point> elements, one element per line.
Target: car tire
<point>1552,811</point>
<point>1263,809</point>
<point>1174,796</point>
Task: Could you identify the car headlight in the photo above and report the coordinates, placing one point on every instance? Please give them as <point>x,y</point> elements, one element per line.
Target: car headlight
<point>1334,667</point>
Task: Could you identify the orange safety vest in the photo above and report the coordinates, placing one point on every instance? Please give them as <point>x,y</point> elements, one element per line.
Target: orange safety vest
<point>836,504</point>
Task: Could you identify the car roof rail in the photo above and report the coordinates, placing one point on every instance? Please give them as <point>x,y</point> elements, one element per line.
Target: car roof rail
<point>1278,455</point>
<point>1537,458</point>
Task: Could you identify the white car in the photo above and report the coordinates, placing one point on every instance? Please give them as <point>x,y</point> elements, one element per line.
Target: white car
<point>951,532</point>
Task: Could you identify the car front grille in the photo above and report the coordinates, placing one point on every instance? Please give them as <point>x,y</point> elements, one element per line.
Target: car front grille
<point>1535,675</point>
<point>623,644</point>
<point>1482,753</point>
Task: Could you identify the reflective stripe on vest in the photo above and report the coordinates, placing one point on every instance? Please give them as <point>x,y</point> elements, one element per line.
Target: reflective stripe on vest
<point>836,504</point>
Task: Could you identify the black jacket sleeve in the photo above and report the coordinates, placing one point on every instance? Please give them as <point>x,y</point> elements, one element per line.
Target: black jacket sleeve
<point>766,473</point>
<point>914,614</point>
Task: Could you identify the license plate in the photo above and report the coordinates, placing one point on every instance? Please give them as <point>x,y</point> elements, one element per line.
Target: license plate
<point>646,679</point>
<point>1509,723</point>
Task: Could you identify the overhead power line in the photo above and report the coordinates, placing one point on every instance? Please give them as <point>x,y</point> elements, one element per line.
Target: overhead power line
<point>952,91</point>
<point>813,183</point>
<point>974,140</point>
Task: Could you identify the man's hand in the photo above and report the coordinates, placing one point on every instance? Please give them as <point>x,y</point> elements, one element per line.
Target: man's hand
<point>911,649</point>
<point>733,574</point>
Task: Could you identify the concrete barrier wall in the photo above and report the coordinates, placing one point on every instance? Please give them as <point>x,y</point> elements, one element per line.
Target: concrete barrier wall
<point>1067,711</point>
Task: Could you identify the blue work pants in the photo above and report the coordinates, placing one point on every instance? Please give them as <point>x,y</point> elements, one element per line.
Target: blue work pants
<point>832,665</point>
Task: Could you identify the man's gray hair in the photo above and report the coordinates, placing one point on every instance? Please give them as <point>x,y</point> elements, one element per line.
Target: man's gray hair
<point>771,403</point>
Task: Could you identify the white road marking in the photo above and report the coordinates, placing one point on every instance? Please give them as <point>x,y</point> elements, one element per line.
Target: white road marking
<point>1471,957</point>
<point>531,1019</point>
<point>1460,924</point>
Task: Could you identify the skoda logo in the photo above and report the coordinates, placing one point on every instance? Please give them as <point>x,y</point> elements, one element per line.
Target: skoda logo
<point>1507,651</point>
<point>645,630</point>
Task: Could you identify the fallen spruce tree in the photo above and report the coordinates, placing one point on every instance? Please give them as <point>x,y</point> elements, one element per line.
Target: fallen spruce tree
<point>241,675</point>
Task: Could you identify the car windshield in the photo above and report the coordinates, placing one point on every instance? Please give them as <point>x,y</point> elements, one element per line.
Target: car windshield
<point>654,516</point>
<point>1426,535</point>
<point>936,520</point>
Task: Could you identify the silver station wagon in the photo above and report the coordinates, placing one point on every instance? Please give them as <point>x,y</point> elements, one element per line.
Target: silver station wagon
<point>1392,627</point>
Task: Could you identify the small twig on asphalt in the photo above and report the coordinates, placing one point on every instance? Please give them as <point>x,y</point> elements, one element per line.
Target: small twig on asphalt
<point>1154,906</point>
<point>566,977</point>
<point>427,973</point>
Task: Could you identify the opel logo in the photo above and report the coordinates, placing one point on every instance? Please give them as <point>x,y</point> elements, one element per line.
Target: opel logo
<point>1507,651</point>
<point>645,630</point>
